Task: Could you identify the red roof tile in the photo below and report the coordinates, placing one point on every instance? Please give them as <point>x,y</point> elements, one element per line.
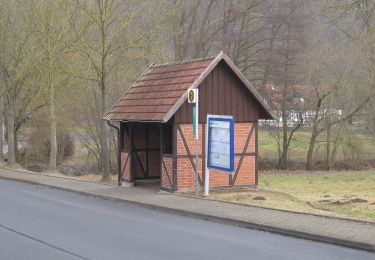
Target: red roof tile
<point>159,92</point>
<point>156,91</point>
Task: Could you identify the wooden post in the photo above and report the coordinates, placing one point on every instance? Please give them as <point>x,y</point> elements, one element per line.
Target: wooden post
<point>119,148</point>
<point>131,153</point>
<point>1,128</point>
<point>161,153</point>
<point>174,156</point>
<point>147,173</point>
<point>256,154</point>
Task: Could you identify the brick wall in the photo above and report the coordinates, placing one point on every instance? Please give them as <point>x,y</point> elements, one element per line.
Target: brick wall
<point>126,174</point>
<point>246,173</point>
<point>167,170</point>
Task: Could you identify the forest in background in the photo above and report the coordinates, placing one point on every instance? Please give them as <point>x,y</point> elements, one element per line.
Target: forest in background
<point>64,62</point>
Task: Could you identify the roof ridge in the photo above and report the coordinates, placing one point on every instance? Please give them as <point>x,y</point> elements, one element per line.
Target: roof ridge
<point>182,62</point>
<point>155,96</point>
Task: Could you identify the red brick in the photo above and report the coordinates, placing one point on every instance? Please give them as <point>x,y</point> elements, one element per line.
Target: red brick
<point>185,172</point>
<point>126,171</point>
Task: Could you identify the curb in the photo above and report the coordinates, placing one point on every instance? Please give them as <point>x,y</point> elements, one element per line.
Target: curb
<point>362,221</point>
<point>216,219</point>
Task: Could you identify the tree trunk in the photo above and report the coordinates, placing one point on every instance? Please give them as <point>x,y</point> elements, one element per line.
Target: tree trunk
<point>309,162</point>
<point>328,146</point>
<point>284,154</point>
<point>11,140</point>
<point>284,112</point>
<point>335,146</point>
<point>104,137</point>
<point>53,127</point>
<point>1,128</point>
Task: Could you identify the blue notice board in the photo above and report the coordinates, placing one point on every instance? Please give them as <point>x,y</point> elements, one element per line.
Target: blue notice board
<point>220,143</point>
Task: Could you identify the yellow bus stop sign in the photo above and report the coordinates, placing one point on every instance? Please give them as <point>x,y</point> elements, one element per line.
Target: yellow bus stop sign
<point>193,96</point>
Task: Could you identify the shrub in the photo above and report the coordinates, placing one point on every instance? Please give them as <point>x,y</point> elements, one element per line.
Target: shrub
<point>37,145</point>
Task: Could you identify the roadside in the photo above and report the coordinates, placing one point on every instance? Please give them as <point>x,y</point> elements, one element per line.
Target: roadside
<point>349,233</point>
<point>75,225</point>
<point>345,194</point>
<point>95,178</point>
<point>349,194</point>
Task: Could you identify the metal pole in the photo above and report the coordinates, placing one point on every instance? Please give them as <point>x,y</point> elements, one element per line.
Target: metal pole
<point>196,150</point>
<point>206,182</point>
<point>207,172</point>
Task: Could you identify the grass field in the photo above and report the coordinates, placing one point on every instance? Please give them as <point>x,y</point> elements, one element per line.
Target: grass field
<point>359,144</point>
<point>346,194</point>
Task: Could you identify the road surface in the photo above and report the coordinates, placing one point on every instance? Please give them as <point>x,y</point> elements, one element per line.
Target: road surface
<point>43,223</point>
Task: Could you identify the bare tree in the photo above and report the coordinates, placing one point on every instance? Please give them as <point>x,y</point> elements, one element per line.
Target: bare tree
<point>289,41</point>
<point>100,36</point>
<point>14,64</point>
<point>334,74</point>
<point>50,30</point>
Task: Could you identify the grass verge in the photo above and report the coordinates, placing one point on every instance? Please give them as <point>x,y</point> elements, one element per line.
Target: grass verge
<point>358,144</point>
<point>343,194</point>
<point>88,177</point>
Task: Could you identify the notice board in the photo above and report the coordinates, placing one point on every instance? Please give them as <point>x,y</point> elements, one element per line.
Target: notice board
<point>220,143</point>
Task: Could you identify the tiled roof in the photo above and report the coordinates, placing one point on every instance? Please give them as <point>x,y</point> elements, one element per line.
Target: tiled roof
<point>160,91</point>
<point>302,93</point>
<point>156,91</point>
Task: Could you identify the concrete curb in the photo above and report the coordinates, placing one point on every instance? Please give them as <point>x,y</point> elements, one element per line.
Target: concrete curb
<point>213,218</point>
<point>201,198</point>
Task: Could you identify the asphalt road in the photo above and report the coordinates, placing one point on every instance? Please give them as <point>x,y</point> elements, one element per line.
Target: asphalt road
<point>42,223</point>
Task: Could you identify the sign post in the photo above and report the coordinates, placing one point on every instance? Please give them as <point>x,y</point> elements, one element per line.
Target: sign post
<point>193,98</point>
<point>219,146</point>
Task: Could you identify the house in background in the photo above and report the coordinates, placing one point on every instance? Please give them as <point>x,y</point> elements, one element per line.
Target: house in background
<point>300,102</point>
<point>156,138</point>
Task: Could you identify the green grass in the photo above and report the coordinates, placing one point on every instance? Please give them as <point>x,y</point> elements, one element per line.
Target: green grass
<point>359,144</point>
<point>345,194</point>
<point>332,188</point>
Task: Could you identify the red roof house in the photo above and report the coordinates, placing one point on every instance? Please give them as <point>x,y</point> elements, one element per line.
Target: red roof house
<point>155,133</point>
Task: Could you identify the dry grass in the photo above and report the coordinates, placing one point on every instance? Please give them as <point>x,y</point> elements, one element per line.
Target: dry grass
<point>344,194</point>
<point>88,177</point>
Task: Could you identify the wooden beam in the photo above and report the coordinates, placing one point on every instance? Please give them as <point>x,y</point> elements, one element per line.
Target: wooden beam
<point>131,153</point>
<point>190,156</point>
<point>243,155</point>
<point>147,173</point>
<point>161,153</point>
<point>119,150</point>
<point>174,156</point>
<point>256,153</point>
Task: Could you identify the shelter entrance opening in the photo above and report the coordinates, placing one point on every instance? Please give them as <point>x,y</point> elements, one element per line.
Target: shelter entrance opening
<point>142,147</point>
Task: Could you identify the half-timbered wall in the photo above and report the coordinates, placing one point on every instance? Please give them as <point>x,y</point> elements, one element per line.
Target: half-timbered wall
<point>144,161</point>
<point>222,93</point>
<point>125,159</point>
<point>245,173</point>
<point>167,173</point>
<point>125,166</point>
